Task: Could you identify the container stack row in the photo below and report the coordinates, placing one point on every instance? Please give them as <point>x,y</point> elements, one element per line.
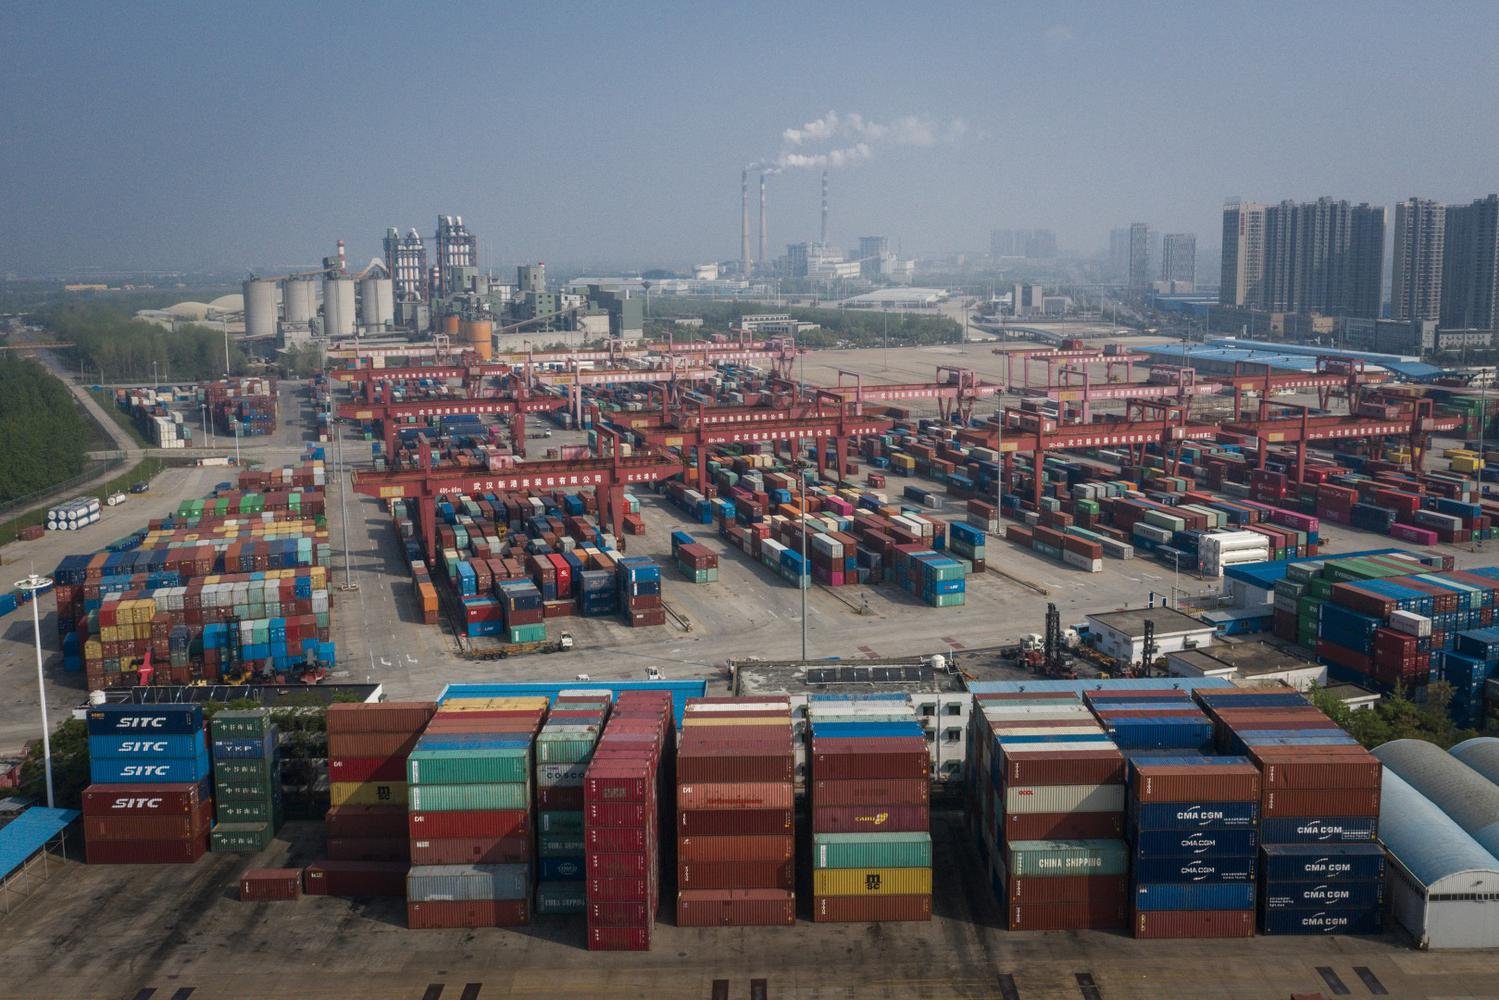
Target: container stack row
<point>564,747</point>
<point>639,581</point>
<point>149,800</point>
<point>1191,828</point>
<point>623,798</point>
<point>870,777</point>
<point>1049,789</point>
<point>736,841</point>
<point>1319,798</point>
<point>469,810</point>
<point>246,780</point>
<point>697,563</point>
<point>367,749</point>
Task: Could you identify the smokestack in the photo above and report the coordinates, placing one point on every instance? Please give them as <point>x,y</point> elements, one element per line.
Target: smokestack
<point>744,248</point>
<point>824,208</point>
<point>763,236</point>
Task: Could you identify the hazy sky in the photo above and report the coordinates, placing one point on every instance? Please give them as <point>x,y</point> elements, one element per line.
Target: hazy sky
<point>202,135</point>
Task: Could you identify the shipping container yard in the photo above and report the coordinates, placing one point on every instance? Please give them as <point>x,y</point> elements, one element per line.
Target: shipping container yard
<point>1050,735</point>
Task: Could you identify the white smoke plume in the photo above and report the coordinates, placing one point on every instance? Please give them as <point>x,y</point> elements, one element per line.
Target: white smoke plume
<point>853,139</point>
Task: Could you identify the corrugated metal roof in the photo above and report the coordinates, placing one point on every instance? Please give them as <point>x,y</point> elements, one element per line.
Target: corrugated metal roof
<point>28,833</point>
<point>1470,799</point>
<point>1413,369</point>
<point>1423,838</point>
<point>1481,754</point>
<point>1099,684</point>
<point>1310,350</point>
<point>1265,574</point>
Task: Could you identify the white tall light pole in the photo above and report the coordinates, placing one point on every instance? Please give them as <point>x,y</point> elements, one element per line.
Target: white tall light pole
<point>34,585</point>
<point>802,581</point>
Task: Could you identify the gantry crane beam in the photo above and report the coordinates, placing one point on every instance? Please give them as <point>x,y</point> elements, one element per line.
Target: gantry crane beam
<point>1333,372</point>
<point>608,476</point>
<point>1056,359</point>
<point>956,390</point>
<point>1415,427</point>
<point>388,413</point>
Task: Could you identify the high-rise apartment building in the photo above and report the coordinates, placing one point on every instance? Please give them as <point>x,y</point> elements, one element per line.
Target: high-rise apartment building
<point>1470,266</point>
<point>873,246</point>
<point>406,260</point>
<point>456,248</point>
<point>1242,272</point>
<point>1034,243</point>
<point>1361,279</point>
<point>1416,276</point>
<point>1119,254</point>
<point>1179,258</point>
<point>1140,274</point>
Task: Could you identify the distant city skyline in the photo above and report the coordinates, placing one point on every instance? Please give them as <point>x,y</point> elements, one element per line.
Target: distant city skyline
<point>223,138</point>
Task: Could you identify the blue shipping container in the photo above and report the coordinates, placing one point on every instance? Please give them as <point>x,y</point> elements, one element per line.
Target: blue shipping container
<point>1330,830</point>
<point>1322,921</point>
<point>104,720</point>
<point>139,745</point>
<point>1206,869</point>
<point>1194,896</point>
<point>161,770</point>
<point>1323,863</point>
<point>1336,895</point>
<point>1207,816</point>
<point>1204,843</point>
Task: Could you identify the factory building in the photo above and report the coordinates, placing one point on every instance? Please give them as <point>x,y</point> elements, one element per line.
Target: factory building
<point>457,256</point>
<point>406,263</point>
<point>1121,634</point>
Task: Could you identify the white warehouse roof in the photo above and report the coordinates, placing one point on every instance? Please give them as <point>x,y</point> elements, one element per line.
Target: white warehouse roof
<point>1429,844</point>
<point>1470,799</point>
<point>1481,754</point>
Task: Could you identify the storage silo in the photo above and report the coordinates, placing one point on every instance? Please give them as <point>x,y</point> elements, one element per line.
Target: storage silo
<point>478,336</point>
<point>377,302</point>
<point>338,307</point>
<point>260,307</point>
<point>299,301</point>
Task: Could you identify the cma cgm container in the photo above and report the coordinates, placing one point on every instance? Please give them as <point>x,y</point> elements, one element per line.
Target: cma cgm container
<point>735,756</point>
<point>871,839</point>
<point>151,799</point>
<point>1046,803</point>
<point>472,765</point>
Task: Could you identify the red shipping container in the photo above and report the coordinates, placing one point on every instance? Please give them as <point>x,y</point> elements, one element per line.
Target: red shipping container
<point>617,838</point>
<point>140,800</point>
<point>1062,767</point>
<point>735,796</point>
<point>618,914</point>
<point>468,913</point>
<point>890,791</point>
<point>618,890</point>
<point>736,848</point>
<point>617,814</point>
<point>1320,802</point>
<point>619,938</point>
<point>471,850</point>
<point>1072,916</point>
<point>566,799</point>
<point>608,782</point>
<point>618,864</point>
<point>366,821</point>
<point>1194,924</point>
<point>144,852</point>
<point>1185,783</point>
<point>355,878</point>
<point>367,769</point>
<point>735,875</point>
<point>468,823</point>
<point>369,848</point>
<point>745,822</point>
<point>735,908</point>
<point>1297,767</point>
<point>371,744</point>
<point>144,827</point>
<point>894,757</point>
<point>262,885</point>
<point>1064,826</point>
<point>870,819</point>
<point>382,717</point>
<point>870,909</point>
<point>1108,890</point>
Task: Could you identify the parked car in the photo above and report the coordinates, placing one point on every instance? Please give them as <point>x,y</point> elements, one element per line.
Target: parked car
<point>140,487</point>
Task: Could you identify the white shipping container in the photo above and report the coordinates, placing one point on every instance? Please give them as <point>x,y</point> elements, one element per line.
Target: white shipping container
<point>1082,562</point>
<point>1027,799</point>
<point>1411,624</point>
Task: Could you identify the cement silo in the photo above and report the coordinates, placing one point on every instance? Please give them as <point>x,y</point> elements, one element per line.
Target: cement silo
<point>260,307</point>
<point>338,307</point>
<point>377,303</point>
<point>478,336</point>
<point>299,301</point>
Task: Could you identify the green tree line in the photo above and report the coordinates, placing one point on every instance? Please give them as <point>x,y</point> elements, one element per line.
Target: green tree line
<point>1397,718</point>
<point>44,434</point>
<point>108,340</point>
<point>836,327</point>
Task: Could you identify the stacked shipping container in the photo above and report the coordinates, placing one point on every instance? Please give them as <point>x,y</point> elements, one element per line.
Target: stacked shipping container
<point>564,747</point>
<point>622,802</point>
<point>735,840</point>
<point>469,810</point>
<point>246,780</point>
<point>639,581</point>
<point>870,780</point>
<point>149,800</point>
<point>367,749</point>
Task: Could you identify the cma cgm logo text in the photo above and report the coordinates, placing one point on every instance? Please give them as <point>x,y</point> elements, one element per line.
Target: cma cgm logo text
<point>141,722</point>
<point>144,770</point>
<point>137,804</point>
<point>143,746</point>
<point>878,819</point>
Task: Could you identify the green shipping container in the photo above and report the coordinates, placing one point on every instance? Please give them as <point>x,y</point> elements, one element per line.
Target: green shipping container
<point>234,723</point>
<point>526,633</point>
<point>243,771</point>
<point>462,798</point>
<point>949,600</point>
<point>561,897</point>
<point>560,845</point>
<point>1067,857</point>
<point>570,751</point>
<point>239,790</point>
<point>240,838</point>
<point>871,850</point>
<point>501,765</point>
<point>266,810</point>
<point>557,821</point>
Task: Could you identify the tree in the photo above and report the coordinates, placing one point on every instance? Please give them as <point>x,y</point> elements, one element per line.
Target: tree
<point>45,435</point>
<point>70,774</point>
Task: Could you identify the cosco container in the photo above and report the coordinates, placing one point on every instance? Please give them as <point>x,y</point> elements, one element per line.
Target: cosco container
<point>433,883</point>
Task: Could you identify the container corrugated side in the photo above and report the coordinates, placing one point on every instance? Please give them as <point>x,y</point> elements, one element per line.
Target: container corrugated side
<point>1064,798</point>
<point>469,798</point>
<point>1184,924</point>
<point>871,909</point>
<point>1060,857</point>
<point>735,908</point>
<point>871,881</point>
<point>862,850</point>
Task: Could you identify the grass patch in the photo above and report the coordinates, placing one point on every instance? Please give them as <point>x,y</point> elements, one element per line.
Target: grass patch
<point>106,400</point>
<point>146,469</point>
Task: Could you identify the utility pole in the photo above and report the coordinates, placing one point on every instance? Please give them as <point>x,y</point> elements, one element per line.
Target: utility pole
<point>343,503</point>
<point>35,586</point>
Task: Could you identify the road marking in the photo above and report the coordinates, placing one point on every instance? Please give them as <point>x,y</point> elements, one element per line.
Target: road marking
<point>759,990</point>
<point>1370,980</point>
<point>1333,982</point>
<point>720,989</point>
<point>183,993</point>
<point>470,991</point>
<point>146,994</point>
<point>1007,988</point>
<point>434,992</point>
<point>1087,986</point>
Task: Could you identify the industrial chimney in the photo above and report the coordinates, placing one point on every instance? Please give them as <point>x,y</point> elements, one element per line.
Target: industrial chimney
<point>824,208</point>
<point>744,244</point>
<point>763,236</point>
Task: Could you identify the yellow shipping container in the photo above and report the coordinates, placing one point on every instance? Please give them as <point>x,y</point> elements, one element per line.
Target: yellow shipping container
<point>872,881</point>
<point>517,704</point>
<point>367,793</point>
